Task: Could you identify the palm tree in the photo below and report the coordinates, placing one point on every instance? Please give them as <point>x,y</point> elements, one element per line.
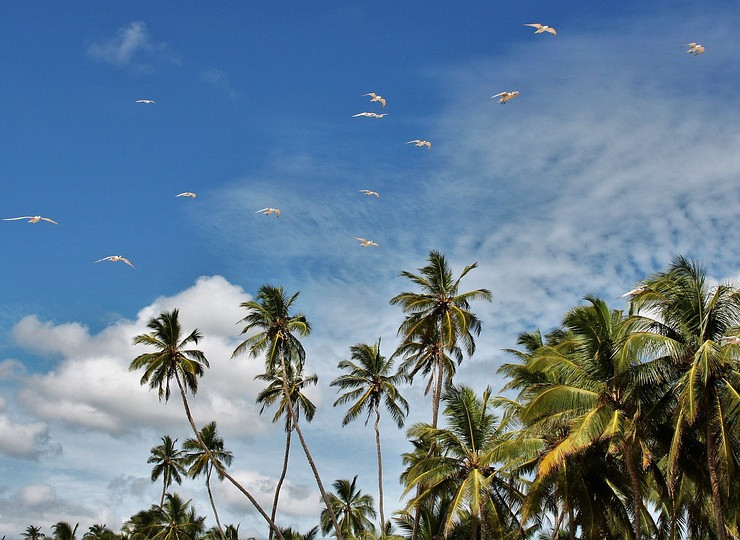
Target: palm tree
<point>687,321</point>
<point>269,314</point>
<point>440,312</point>
<point>172,359</point>
<point>274,394</point>
<point>33,532</point>
<point>99,532</point>
<point>177,520</point>
<point>352,508</point>
<point>64,531</point>
<point>200,462</point>
<point>368,383</point>
<point>290,534</point>
<point>168,463</point>
<point>463,466</point>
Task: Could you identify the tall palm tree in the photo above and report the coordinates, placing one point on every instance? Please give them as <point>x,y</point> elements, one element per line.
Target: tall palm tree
<point>441,312</point>
<point>368,382</point>
<point>33,532</point>
<point>463,464</point>
<point>272,394</point>
<point>200,462</point>
<point>269,315</point>
<point>688,321</point>
<point>168,463</point>
<point>172,359</point>
<point>353,509</point>
<point>62,530</point>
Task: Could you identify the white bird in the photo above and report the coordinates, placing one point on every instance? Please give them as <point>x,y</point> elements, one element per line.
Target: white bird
<point>268,211</point>
<point>115,258</point>
<point>376,97</point>
<point>695,48</point>
<point>370,115</point>
<point>187,194</point>
<point>634,292</point>
<point>147,101</point>
<point>542,28</point>
<point>32,219</point>
<point>370,192</point>
<point>419,142</point>
<point>364,242</point>
<point>505,96</point>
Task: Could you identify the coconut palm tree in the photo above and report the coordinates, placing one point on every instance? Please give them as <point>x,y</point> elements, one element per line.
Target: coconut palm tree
<point>353,509</point>
<point>272,394</point>
<point>62,530</point>
<point>33,532</point>
<point>99,532</point>
<point>168,463</point>
<point>439,313</point>
<point>200,462</point>
<point>172,359</point>
<point>177,520</point>
<point>463,464</point>
<point>269,315</point>
<point>687,321</point>
<point>368,383</point>
<point>290,534</point>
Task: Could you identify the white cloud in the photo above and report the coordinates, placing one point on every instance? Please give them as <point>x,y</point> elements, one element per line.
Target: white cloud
<point>219,79</point>
<point>131,46</point>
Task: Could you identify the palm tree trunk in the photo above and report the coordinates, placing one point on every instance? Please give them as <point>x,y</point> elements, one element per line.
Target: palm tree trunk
<point>213,505</point>
<point>165,483</point>
<point>636,490</point>
<point>216,463</point>
<point>380,473</point>
<point>309,458</point>
<point>556,526</point>
<point>289,429</point>
<point>714,480</point>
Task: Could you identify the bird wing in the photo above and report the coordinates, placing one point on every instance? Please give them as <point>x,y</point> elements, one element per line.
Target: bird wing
<point>103,259</point>
<point>534,25</point>
<point>414,141</point>
<point>263,210</point>
<point>499,94</point>
<point>551,30</point>
<point>50,220</point>
<point>124,259</point>
<point>382,102</point>
<point>16,218</point>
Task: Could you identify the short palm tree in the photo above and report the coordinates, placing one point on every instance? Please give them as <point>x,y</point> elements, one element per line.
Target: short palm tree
<point>172,359</point>
<point>33,532</point>
<point>368,382</point>
<point>168,463</point>
<point>177,520</point>
<point>463,465</point>
<point>353,509</point>
<point>200,462</point>
<point>269,315</point>
<point>99,532</point>
<point>272,394</point>
<point>62,530</point>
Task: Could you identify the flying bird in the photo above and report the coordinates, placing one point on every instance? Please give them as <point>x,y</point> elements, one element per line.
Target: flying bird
<point>376,97</point>
<point>115,258</point>
<point>187,194</point>
<point>370,115</point>
<point>419,142</point>
<point>542,28</point>
<point>268,211</point>
<point>505,96</point>
<point>147,101</point>
<point>364,242</point>
<point>695,48</point>
<point>634,292</point>
<point>370,192</point>
<point>32,219</point>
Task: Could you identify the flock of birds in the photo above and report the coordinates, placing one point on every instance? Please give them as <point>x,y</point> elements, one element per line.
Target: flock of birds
<point>504,96</point>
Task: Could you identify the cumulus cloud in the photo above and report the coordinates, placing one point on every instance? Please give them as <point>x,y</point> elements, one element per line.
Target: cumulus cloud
<point>218,79</point>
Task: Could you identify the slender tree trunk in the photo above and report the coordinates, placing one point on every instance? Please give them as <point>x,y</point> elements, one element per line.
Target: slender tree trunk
<point>294,419</point>
<point>213,505</point>
<point>380,473</point>
<point>216,463</point>
<point>714,479</point>
<point>556,527</point>
<point>289,429</point>
<point>165,483</point>
<point>571,523</point>
<point>636,490</point>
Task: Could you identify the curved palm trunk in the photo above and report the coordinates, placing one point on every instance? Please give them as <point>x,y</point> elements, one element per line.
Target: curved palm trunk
<point>380,473</point>
<point>282,476</point>
<point>556,526</point>
<point>309,458</point>
<point>714,480</point>
<point>636,491</point>
<point>165,483</point>
<point>213,505</point>
<point>216,463</point>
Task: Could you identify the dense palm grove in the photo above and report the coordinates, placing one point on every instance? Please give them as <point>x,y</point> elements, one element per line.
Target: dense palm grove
<point>612,425</point>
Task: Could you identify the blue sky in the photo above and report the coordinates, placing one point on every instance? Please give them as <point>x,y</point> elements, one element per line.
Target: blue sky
<point>619,153</point>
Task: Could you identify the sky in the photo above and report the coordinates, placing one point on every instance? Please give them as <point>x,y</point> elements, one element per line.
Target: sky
<point>619,153</point>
